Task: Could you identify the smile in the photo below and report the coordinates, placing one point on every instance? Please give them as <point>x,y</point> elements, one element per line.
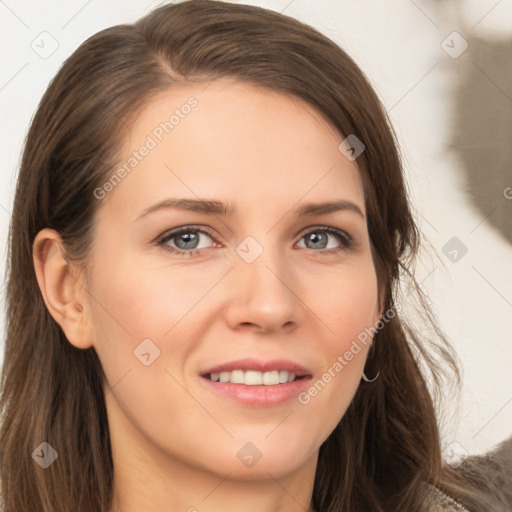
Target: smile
<point>254,378</point>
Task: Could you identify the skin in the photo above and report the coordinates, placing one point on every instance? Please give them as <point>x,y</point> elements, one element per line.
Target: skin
<point>174,441</point>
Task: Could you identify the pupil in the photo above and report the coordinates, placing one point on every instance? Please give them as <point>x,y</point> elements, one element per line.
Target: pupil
<point>315,236</point>
<point>188,238</point>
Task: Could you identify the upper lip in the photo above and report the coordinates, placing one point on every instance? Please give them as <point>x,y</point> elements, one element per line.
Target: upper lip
<point>250,363</point>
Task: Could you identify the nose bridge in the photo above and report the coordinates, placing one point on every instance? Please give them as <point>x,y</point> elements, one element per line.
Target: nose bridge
<point>264,283</point>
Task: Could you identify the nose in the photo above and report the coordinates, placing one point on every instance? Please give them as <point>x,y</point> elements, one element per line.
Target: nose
<point>263,295</point>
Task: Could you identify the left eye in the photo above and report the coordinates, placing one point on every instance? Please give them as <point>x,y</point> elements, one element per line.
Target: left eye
<point>186,240</point>
<point>320,235</point>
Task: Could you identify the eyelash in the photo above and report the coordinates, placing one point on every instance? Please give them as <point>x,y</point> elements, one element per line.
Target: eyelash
<point>346,241</point>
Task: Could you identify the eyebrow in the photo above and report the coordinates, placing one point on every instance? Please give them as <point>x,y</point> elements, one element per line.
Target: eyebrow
<point>214,207</point>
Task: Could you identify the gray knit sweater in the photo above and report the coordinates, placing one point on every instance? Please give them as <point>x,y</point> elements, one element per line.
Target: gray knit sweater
<point>438,501</point>
<point>501,458</point>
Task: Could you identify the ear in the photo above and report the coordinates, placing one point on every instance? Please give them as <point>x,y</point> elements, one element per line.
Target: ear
<point>63,289</point>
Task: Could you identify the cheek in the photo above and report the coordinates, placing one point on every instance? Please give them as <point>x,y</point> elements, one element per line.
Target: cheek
<point>144,300</point>
<point>348,304</point>
<point>138,299</point>
<point>348,309</point>
<point>141,302</point>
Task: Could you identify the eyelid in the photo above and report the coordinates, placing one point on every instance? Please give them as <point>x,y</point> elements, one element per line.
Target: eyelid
<point>324,228</point>
<point>166,235</point>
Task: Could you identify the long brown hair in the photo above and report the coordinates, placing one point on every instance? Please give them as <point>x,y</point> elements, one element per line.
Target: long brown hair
<point>387,445</point>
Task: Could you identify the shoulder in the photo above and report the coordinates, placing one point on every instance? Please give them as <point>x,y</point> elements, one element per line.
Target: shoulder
<point>438,501</point>
<point>496,465</point>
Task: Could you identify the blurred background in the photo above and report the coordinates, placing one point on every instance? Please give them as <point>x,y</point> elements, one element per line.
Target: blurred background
<point>443,70</point>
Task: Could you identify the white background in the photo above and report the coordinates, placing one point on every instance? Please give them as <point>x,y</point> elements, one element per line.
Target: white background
<point>398,44</point>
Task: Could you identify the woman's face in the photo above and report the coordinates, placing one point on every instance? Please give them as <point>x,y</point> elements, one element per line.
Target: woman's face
<point>260,287</point>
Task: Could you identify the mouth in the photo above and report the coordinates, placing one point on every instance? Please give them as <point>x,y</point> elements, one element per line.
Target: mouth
<point>254,377</point>
<point>256,372</point>
<point>256,383</point>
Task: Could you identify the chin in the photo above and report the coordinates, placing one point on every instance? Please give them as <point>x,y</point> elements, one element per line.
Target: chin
<point>262,470</point>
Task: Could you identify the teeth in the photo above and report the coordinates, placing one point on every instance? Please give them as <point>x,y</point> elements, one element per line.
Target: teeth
<point>237,377</point>
<point>254,378</point>
<point>271,378</point>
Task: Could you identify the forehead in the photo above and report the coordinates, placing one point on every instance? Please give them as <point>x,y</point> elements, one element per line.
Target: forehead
<point>234,140</point>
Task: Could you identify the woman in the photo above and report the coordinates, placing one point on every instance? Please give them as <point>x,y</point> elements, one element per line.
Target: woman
<point>176,340</point>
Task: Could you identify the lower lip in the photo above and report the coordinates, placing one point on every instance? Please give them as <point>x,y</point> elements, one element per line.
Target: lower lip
<point>259,396</point>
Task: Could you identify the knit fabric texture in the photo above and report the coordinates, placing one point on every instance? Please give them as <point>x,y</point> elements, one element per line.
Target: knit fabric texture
<point>439,501</point>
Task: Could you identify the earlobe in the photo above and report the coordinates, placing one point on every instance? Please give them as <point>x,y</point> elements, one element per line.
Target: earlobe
<point>64,295</point>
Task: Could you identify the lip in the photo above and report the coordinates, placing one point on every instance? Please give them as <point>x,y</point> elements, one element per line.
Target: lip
<point>250,363</point>
<point>259,395</point>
